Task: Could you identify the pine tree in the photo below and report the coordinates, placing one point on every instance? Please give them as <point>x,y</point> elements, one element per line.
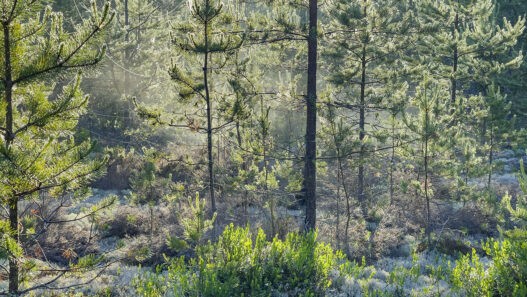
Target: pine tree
<point>338,142</point>
<point>463,45</point>
<point>203,41</point>
<point>282,25</point>
<point>38,148</point>
<point>254,172</point>
<point>463,41</point>
<point>367,41</point>
<point>499,130</point>
<point>428,124</point>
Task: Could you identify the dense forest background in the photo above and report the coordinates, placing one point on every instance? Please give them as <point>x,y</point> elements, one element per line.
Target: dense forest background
<point>263,148</point>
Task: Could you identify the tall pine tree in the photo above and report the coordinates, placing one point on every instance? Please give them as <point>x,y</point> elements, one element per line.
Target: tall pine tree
<point>38,148</point>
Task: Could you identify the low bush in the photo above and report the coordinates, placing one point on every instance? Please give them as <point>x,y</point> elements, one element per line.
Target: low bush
<point>505,275</point>
<point>243,264</point>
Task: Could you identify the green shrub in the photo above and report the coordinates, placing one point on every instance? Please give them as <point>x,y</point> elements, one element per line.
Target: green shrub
<point>470,276</point>
<point>509,269</point>
<point>505,276</point>
<point>243,264</point>
<point>149,284</point>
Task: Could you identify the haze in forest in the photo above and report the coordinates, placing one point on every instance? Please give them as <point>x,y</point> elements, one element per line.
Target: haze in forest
<point>263,148</point>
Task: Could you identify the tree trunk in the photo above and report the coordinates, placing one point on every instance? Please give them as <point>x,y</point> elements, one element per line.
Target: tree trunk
<point>427,198</point>
<point>392,160</point>
<point>126,49</point>
<point>244,167</point>
<point>337,214</point>
<point>209,119</point>
<point>491,160</point>
<point>264,136</point>
<point>310,174</point>
<point>455,63</point>
<point>348,206</point>
<point>8,139</point>
<point>362,134</point>
<point>341,181</point>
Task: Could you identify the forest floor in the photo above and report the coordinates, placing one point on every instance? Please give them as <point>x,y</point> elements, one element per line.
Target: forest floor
<point>405,272</point>
<point>134,240</point>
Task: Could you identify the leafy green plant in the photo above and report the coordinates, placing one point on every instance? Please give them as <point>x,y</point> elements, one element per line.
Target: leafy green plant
<point>150,284</point>
<point>241,263</point>
<point>507,274</point>
<point>196,226</point>
<point>400,275</point>
<point>469,276</point>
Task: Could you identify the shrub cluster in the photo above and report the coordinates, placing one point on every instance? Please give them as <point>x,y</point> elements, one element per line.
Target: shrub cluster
<point>238,265</point>
<point>506,275</point>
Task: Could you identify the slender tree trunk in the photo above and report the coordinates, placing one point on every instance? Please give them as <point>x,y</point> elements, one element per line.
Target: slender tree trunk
<point>310,174</point>
<point>266,166</point>
<point>362,133</point>
<point>455,62</point>
<point>266,190</point>
<point>491,160</point>
<point>218,151</point>
<point>127,63</point>
<point>348,205</point>
<point>151,209</point>
<point>337,223</point>
<point>427,198</point>
<point>392,160</point>
<point>340,182</point>
<point>244,167</point>
<point>8,139</point>
<point>209,117</point>
<point>239,136</point>
<point>127,48</point>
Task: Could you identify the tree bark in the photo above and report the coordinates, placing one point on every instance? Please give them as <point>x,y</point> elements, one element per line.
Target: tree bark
<point>427,198</point>
<point>310,174</point>
<point>209,118</point>
<point>127,48</point>
<point>392,161</point>
<point>362,133</point>
<point>8,139</point>
<point>491,160</point>
<point>455,62</point>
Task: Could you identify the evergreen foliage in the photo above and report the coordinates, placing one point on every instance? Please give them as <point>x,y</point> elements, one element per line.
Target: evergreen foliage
<point>507,273</point>
<point>391,127</point>
<point>202,44</point>
<point>39,153</point>
<point>367,40</point>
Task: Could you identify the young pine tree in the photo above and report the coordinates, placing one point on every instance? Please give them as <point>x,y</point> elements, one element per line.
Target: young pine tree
<point>463,39</point>
<point>464,46</point>
<point>38,148</point>
<point>204,47</point>
<point>367,41</point>
<point>337,141</point>
<point>499,130</point>
<point>427,125</point>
